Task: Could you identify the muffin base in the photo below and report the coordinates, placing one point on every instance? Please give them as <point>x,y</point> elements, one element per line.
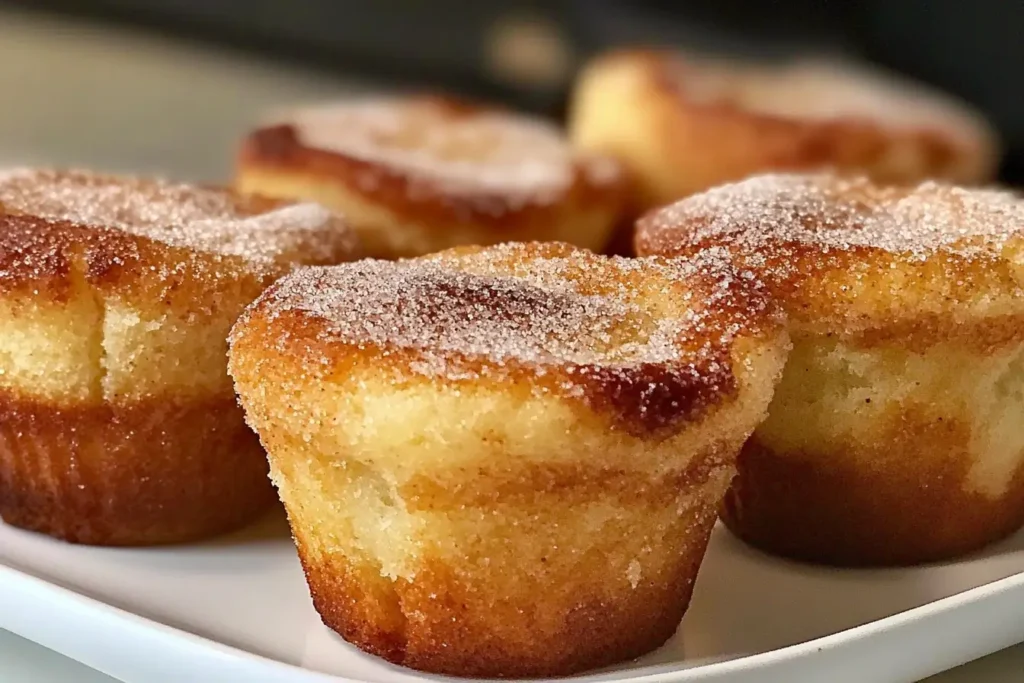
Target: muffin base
<point>162,470</point>
<point>503,578</point>
<point>448,621</point>
<point>825,508</point>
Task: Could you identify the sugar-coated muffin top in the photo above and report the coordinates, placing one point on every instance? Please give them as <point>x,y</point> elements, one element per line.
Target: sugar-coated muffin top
<point>843,253</point>
<point>438,147</point>
<point>200,218</point>
<point>818,90</point>
<point>654,338</point>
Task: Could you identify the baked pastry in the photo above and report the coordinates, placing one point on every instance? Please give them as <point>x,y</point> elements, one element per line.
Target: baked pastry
<point>895,436</point>
<point>118,422</point>
<point>505,461</point>
<point>420,174</point>
<point>685,123</point>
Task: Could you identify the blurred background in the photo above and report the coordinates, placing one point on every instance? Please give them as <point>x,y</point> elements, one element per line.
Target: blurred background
<point>168,85</point>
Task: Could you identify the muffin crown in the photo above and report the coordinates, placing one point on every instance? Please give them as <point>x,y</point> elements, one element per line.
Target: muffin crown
<point>196,218</point>
<point>646,337</point>
<point>845,254</point>
<point>777,212</point>
<point>483,161</point>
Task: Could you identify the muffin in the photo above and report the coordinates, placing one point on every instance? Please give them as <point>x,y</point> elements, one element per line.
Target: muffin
<point>118,422</point>
<point>506,461</point>
<point>684,123</point>
<point>895,436</point>
<point>419,174</point>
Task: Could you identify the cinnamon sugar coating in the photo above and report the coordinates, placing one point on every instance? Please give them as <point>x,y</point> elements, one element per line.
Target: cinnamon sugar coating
<point>649,341</point>
<point>424,173</point>
<point>48,211</point>
<point>847,256</point>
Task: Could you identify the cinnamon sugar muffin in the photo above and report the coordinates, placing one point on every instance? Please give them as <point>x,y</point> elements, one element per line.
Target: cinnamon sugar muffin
<point>505,461</point>
<point>118,422</point>
<point>685,123</point>
<point>419,174</point>
<point>895,436</point>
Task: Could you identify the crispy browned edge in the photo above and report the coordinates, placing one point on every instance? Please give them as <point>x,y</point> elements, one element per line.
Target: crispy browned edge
<point>642,399</point>
<point>279,148</point>
<point>847,143</point>
<point>913,504</point>
<point>45,259</point>
<point>162,470</point>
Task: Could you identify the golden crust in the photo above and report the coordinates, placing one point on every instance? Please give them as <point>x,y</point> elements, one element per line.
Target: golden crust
<point>847,257</point>
<point>542,316</point>
<point>163,470</point>
<point>426,173</point>
<point>903,509</point>
<point>146,272</point>
<point>684,124</point>
<point>469,633</point>
<point>42,260</point>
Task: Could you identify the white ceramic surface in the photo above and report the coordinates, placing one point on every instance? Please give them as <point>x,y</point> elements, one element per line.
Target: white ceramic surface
<point>23,661</point>
<point>237,609</point>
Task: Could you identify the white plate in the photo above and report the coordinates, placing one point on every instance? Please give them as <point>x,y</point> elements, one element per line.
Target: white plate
<point>237,609</point>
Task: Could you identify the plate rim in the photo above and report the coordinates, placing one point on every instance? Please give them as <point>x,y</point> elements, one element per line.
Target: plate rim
<point>27,587</point>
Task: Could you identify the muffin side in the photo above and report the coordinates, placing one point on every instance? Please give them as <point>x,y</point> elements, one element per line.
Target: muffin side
<point>925,453</point>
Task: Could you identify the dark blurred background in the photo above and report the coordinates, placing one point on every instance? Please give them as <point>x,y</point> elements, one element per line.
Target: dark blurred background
<point>525,53</point>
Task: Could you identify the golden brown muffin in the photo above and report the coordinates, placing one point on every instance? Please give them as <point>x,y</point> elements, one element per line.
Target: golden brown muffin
<point>682,124</point>
<point>421,174</point>
<point>505,461</point>
<point>896,435</point>
<point>118,421</point>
